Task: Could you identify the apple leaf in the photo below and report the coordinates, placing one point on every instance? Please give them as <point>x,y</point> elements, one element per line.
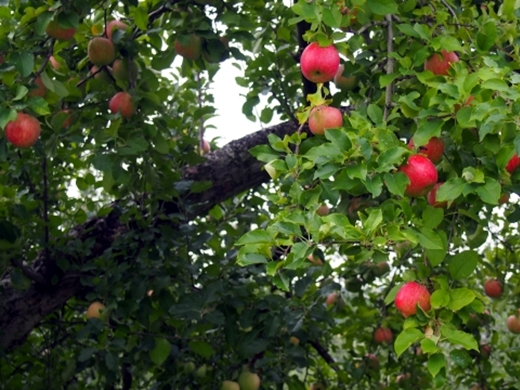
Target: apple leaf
<point>429,239</point>
<point>396,183</point>
<point>426,131</point>
<point>332,16</point>
<point>429,346</point>
<point>461,358</point>
<point>382,7</point>
<point>490,192</point>
<point>487,36</point>
<point>405,339</point>
<point>161,351</point>
<point>440,298</point>
<point>460,297</point>
<point>436,363</point>
<point>255,237</point>
<point>455,336</point>
<point>495,85</point>
<point>450,190</point>
<point>339,138</point>
<point>202,348</point>
<point>23,62</point>
<point>463,264</point>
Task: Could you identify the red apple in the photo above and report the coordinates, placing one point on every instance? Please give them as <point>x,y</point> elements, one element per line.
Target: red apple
<point>54,63</point>
<point>439,63</point>
<point>504,198</point>
<point>485,351</point>
<point>24,131</point>
<point>101,51</point>
<point>513,164</point>
<point>100,75</point>
<point>409,296</point>
<point>122,102</point>
<point>493,288</point>
<point>466,103</point>
<point>513,323</point>
<point>115,25</point>
<point>54,30</point>
<point>323,210</point>
<point>68,118</point>
<point>331,299</point>
<point>41,91</point>
<point>125,70</point>
<point>315,260</point>
<point>345,83</point>
<point>372,361</point>
<point>433,149</point>
<point>206,147</point>
<point>96,310</point>
<point>422,175</point>
<point>319,64</point>
<point>432,197</point>
<point>191,50</point>
<point>324,117</point>
<point>383,335</point>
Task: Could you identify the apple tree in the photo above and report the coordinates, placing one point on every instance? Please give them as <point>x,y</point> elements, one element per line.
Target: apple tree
<point>364,238</point>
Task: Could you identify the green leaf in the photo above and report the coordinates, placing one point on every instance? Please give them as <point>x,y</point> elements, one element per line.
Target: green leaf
<point>406,338</point>
<point>458,337</point>
<point>396,183</point>
<point>332,16</point>
<point>460,297</point>
<point>141,18</point>
<point>436,363</point>
<point>426,131</point>
<point>463,264</point>
<point>450,190</point>
<point>490,192</point>
<point>487,36</point>
<point>161,351</point>
<point>202,348</point>
<point>23,62</point>
<point>287,228</point>
<point>382,7</point>
<point>375,114</point>
<point>264,153</point>
<point>429,239</point>
<point>440,298</point>
<point>429,346</point>
<point>255,237</point>
<point>495,85</point>
<point>245,258</point>
<point>339,138</point>
<point>432,217</point>
<point>461,358</point>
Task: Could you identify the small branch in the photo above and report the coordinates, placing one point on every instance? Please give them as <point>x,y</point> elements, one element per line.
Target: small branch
<point>48,262</point>
<point>28,272</point>
<point>389,66</point>
<point>201,120</point>
<point>452,12</point>
<point>324,354</point>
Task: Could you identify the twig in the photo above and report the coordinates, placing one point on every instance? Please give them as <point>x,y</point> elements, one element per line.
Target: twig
<point>201,120</point>
<point>452,12</point>
<point>28,272</point>
<point>324,354</point>
<point>48,263</point>
<point>389,66</point>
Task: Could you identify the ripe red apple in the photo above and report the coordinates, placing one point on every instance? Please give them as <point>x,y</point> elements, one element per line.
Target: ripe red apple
<point>409,296</point>
<point>122,102</point>
<point>319,64</point>
<point>422,174</point>
<point>324,117</point>
<point>101,51</point>
<point>331,299</point>
<point>439,63</point>
<point>433,149</point>
<point>41,91</point>
<point>125,70</point>
<point>24,131</point>
<point>96,310</point>
<point>345,83</point>
<point>383,335</point>
<point>249,381</point>
<point>432,197</point>
<point>513,164</point>
<point>191,50</point>
<point>493,288</point>
<point>323,210</point>
<point>54,30</point>
<point>115,25</point>
<point>513,323</point>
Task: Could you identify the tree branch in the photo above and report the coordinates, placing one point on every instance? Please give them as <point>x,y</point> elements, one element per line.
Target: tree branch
<point>389,66</point>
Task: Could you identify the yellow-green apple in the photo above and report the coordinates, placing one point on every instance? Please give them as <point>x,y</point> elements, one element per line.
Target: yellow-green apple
<point>249,381</point>
<point>294,340</point>
<point>344,82</point>
<point>125,70</point>
<point>323,210</point>
<point>96,310</point>
<point>230,385</point>
<point>383,335</point>
<point>122,102</point>
<point>432,197</point>
<point>422,175</point>
<point>409,296</point>
<point>439,63</point>
<point>115,25</point>
<point>54,30</point>
<point>190,49</point>
<point>513,163</point>
<point>41,90</point>
<point>189,367</point>
<point>493,288</point>
<point>319,64</point>
<point>324,117</point>
<point>24,131</point>
<point>513,323</point>
<point>433,149</point>
<point>101,51</point>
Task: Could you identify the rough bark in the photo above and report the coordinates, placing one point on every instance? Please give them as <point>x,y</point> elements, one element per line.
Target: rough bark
<point>231,169</point>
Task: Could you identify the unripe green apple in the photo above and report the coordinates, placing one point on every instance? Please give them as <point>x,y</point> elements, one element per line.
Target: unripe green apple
<point>249,381</point>
<point>230,385</point>
<point>101,51</point>
<point>125,70</point>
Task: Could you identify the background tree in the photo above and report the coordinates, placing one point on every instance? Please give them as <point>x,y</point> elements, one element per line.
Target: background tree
<point>133,259</point>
